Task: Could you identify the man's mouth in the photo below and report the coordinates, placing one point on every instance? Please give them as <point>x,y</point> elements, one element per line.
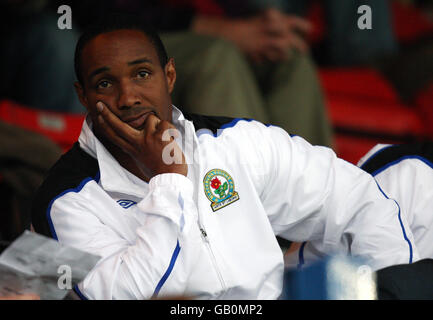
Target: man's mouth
<point>139,121</point>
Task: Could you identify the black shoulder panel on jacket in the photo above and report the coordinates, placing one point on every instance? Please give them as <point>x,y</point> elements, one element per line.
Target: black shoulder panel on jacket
<point>393,153</point>
<point>212,123</point>
<point>67,173</point>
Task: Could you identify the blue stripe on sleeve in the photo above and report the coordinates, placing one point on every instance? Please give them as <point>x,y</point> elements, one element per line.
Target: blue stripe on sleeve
<point>236,120</point>
<point>230,125</point>
<point>401,224</point>
<point>426,161</point>
<point>79,293</point>
<point>77,189</point>
<point>169,269</point>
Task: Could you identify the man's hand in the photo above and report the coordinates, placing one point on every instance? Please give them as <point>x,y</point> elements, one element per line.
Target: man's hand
<point>267,36</point>
<point>146,146</point>
<point>290,29</point>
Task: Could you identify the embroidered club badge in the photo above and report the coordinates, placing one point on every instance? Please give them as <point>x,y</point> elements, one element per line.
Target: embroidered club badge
<point>219,189</point>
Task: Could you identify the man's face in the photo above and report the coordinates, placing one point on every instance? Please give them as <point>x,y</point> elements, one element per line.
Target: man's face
<point>121,68</point>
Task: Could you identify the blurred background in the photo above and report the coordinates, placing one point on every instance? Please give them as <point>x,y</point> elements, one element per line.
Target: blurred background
<point>334,72</point>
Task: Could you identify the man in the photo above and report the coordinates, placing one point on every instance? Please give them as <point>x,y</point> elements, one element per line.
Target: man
<point>32,44</point>
<point>266,62</point>
<point>252,64</point>
<point>25,157</point>
<point>203,226</point>
<point>404,173</point>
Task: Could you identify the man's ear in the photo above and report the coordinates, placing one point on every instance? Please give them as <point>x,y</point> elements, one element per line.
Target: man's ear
<point>170,74</point>
<point>81,96</point>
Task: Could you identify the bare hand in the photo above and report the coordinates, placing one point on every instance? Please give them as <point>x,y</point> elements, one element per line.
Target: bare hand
<point>267,36</point>
<point>146,146</point>
<point>288,31</point>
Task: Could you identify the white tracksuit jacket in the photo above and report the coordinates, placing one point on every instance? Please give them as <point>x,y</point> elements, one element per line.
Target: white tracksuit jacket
<point>168,238</point>
<point>404,173</point>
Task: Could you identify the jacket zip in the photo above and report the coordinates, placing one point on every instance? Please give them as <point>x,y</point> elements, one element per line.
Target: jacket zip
<point>201,227</point>
<point>206,239</point>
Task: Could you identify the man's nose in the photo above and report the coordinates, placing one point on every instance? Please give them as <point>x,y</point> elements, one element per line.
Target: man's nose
<point>128,96</point>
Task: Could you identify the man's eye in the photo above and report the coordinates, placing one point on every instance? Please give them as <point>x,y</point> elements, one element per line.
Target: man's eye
<point>104,84</point>
<point>143,74</point>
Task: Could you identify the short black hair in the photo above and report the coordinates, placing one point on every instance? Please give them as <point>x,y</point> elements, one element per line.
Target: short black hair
<point>116,21</point>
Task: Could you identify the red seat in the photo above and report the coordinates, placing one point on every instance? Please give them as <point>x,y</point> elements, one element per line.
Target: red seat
<point>424,104</point>
<point>375,117</point>
<point>357,82</point>
<point>409,22</point>
<point>62,128</point>
<point>352,148</point>
<point>365,110</point>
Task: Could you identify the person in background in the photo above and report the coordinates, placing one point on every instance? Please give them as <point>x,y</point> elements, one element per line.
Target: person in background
<point>32,44</point>
<point>25,158</point>
<point>251,64</point>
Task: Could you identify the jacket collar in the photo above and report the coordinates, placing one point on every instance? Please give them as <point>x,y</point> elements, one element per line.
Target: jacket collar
<point>113,177</point>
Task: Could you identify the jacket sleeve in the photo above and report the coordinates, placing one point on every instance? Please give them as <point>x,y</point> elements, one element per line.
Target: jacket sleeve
<point>153,258</point>
<point>311,195</point>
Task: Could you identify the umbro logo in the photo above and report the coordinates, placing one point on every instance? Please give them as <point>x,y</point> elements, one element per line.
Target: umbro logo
<point>125,204</point>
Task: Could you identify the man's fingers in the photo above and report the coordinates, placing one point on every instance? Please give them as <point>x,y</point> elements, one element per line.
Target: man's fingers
<point>277,49</point>
<point>164,125</point>
<point>112,135</point>
<point>100,106</point>
<point>121,128</point>
<point>300,24</point>
<point>114,128</point>
<point>298,42</point>
<point>273,54</point>
<point>275,29</point>
<point>151,123</point>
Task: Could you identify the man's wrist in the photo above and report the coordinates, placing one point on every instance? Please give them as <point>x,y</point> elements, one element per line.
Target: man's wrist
<point>171,180</point>
<point>214,26</point>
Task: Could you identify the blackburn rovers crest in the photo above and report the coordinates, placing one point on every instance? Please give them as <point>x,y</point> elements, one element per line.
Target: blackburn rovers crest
<point>219,188</point>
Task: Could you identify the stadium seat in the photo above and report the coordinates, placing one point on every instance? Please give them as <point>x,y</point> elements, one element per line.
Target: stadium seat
<point>365,110</point>
<point>363,107</point>
<point>424,104</point>
<point>62,128</point>
<point>409,22</point>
